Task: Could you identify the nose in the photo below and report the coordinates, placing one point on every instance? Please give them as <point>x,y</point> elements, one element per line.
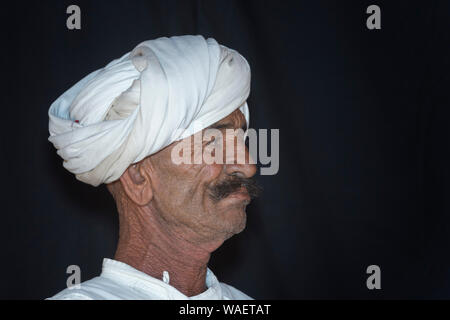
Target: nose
<point>240,162</point>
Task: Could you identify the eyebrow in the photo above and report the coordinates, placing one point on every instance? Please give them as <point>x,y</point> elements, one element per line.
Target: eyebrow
<point>226,125</point>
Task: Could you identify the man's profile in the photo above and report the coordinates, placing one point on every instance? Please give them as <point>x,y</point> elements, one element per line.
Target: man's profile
<point>119,126</point>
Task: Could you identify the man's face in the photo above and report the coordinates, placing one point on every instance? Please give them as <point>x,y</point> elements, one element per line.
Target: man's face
<point>206,201</point>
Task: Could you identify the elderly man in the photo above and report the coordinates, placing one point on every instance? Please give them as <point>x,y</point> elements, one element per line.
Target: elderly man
<point>120,126</point>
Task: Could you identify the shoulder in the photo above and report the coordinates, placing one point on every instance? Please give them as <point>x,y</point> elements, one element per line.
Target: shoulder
<point>98,288</point>
<point>232,293</point>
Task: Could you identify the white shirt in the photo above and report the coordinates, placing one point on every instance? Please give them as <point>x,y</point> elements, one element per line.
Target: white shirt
<point>119,281</point>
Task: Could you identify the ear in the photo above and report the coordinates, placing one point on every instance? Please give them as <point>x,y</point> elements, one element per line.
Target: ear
<point>137,184</point>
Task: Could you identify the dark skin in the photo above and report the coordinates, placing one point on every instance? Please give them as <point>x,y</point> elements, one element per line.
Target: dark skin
<point>168,221</point>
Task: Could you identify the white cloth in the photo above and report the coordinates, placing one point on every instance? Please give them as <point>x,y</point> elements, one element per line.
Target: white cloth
<point>163,91</point>
<point>119,281</point>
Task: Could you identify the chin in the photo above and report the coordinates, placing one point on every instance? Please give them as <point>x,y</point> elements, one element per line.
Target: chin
<point>231,214</point>
<point>234,232</point>
<point>242,226</point>
<point>237,220</point>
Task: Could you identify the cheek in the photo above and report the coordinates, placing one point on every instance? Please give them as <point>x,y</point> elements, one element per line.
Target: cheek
<point>190,182</point>
<point>186,184</point>
<point>211,177</point>
<point>212,172</point>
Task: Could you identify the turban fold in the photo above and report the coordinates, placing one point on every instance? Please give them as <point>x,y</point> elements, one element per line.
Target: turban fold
<point>162,91</point>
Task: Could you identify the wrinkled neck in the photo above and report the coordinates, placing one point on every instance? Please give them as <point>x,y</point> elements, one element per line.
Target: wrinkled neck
<point>151,245</point>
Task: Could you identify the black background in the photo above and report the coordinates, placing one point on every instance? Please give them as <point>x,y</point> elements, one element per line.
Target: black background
<point>364,137</point>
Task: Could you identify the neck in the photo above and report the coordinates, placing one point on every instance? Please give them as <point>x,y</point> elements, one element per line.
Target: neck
<point>149,244</point>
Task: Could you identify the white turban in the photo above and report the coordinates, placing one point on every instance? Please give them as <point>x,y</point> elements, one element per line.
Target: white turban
<point>163,91</point>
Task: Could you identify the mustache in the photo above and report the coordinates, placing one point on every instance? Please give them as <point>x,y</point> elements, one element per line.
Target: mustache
<point>233,184</point>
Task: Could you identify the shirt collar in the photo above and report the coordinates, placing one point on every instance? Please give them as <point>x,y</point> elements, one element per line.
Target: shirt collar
<point>128,276</point>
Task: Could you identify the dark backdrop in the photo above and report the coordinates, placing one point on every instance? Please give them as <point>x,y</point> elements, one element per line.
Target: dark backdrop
<point>364,163</point>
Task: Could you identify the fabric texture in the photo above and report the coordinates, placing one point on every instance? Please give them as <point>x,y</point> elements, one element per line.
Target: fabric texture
<point>119,281</point>
<point>162,91</point>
